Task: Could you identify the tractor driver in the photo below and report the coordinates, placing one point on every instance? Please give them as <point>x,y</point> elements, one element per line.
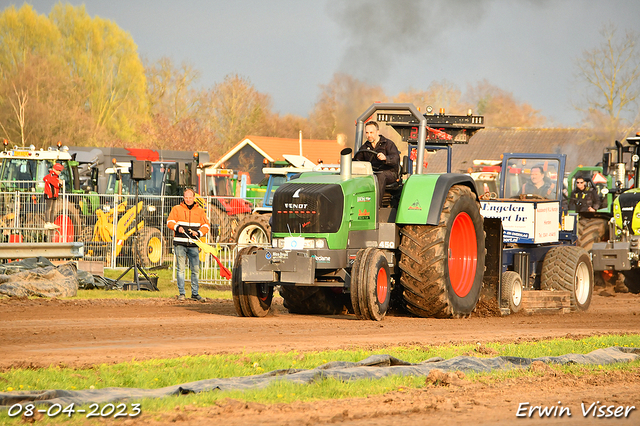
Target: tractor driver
<point>382,153</point>
<point>538,185</point>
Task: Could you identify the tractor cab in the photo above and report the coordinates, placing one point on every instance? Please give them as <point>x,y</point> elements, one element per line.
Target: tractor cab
<point>23,169</point>
<point>532,176</point>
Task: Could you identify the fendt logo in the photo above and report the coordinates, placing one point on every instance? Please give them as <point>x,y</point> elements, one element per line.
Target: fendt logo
<point>295,206</point>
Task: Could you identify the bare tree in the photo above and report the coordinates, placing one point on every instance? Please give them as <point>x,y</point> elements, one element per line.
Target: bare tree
<point>18,105</point>
<point>500,108</point>
<point>235,109</point>
<point>609,76</point>
<point>438,95</point>
<point>340,103</point>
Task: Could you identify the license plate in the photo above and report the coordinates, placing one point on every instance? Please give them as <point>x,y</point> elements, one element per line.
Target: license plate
<point>293,243</point>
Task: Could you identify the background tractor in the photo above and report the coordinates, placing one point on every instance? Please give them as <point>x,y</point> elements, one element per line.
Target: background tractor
<point>22,205</point>
<point>538,250</point>
<point>620,253</point>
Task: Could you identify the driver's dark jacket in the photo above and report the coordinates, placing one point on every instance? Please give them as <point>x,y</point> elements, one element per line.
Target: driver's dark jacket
<point>581,200</point>
<point>385,146</point>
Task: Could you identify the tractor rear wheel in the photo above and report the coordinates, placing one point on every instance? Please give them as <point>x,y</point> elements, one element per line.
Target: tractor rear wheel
<point>591,230</point>
<point>312,300</point>
<point>442,266</point>
<point>33,224</point>
<point>511,290</point>
<point>253,230</point>
<point>569,268</point>
<point>70,223</point>
<point>220,224</point>
<point>370,284</point>
<point>249,299</point>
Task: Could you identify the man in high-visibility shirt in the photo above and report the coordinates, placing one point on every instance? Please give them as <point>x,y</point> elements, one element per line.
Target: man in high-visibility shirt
<point>189,222</point>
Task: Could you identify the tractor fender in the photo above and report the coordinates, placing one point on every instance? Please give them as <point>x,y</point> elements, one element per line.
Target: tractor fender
<point>423,197</point>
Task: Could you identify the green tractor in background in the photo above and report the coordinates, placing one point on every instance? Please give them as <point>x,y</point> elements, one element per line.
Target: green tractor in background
<point>593,226</point>
<point>339,241</point>
<point>620,252</point>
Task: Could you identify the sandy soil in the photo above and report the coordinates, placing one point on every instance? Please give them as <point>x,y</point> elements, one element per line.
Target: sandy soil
<point>79,333</point>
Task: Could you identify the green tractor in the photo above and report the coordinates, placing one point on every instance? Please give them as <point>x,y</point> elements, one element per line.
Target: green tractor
<point>620,252</point>
<point>592,226</point>
<point>340,242</point>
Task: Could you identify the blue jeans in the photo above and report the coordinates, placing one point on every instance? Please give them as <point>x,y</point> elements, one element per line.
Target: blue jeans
<point>182,253</point>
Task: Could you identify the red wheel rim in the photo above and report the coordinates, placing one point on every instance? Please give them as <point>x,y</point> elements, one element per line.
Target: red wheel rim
<point>463,254</point>
<point>66,228</point>
<point>382,285</point>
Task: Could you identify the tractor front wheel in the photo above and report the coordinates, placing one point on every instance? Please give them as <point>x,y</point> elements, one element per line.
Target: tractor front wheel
<point>370,284</point>
<point>150,246</point>
<point>249,299</point>
<point>442,266</point>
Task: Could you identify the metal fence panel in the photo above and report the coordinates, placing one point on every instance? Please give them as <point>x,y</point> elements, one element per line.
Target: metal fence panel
<point>113,227</point>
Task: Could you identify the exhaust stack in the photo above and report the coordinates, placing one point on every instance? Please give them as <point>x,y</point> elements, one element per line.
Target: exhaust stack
<point>345,164</point>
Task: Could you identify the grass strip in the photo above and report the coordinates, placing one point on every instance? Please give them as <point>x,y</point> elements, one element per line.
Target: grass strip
<point>167,372</point>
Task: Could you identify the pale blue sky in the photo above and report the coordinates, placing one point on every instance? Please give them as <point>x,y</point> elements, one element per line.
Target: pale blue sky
<point>288,48</point>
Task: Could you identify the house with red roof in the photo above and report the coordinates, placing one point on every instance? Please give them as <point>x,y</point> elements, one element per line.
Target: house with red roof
<point>252,153</point>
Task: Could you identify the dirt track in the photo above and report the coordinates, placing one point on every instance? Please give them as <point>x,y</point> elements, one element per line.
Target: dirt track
<point>79,333</point>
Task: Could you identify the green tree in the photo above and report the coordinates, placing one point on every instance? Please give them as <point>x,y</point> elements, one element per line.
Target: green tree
<point>39,103</point>
<point>105,60</point>
<point>608,78</point>
<point>24,34</point>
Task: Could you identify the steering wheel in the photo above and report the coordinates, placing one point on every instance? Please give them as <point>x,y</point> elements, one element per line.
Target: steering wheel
<point>367,151</point>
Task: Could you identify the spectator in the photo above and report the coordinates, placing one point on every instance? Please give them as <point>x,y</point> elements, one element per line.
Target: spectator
<point>51,190</point>
<point>188,221</point>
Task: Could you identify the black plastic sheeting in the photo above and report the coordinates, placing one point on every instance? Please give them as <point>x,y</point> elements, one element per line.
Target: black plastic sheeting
<point>38,277</point>
<point>373,367</point>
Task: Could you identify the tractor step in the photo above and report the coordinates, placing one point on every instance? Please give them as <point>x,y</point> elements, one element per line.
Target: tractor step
<point>546,301</point>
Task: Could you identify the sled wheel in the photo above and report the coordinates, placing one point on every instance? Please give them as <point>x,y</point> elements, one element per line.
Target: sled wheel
<point>569,268</point>
<point>370,285</point>
<point>512,290</point>
<point>442,266</point>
